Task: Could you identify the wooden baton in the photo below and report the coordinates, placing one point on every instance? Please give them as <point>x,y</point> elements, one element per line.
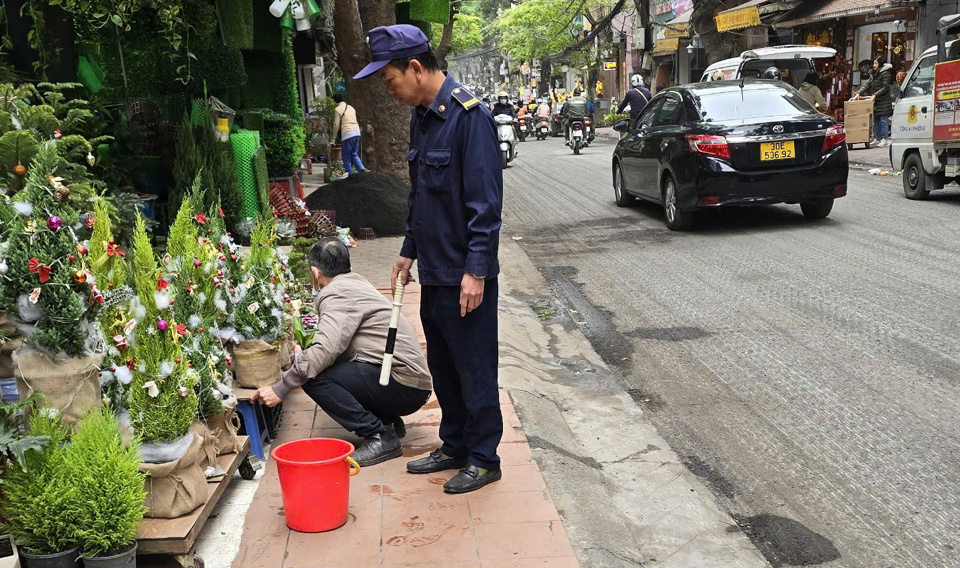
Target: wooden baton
<point>392,333</point>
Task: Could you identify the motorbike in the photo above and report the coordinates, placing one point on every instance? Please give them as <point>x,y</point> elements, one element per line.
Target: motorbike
<point>542,129</point>
<point>508,140</point>
<point>523,128</point>
<point>557,124</point>
<point>590,131</point>
<point>577,135</point>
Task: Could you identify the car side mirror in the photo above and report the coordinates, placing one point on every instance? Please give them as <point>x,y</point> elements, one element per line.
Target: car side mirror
<point>622,125</point>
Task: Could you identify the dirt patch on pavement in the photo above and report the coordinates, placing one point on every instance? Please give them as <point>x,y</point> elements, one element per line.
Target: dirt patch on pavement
<point>366,200</point>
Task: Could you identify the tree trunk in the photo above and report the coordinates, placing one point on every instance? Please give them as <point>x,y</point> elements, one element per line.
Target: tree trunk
<point>446,40</point>
<point>717,46</point>
<point>384,122</point>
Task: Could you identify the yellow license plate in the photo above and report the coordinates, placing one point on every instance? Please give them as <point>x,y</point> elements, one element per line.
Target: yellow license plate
<point>777,151</point>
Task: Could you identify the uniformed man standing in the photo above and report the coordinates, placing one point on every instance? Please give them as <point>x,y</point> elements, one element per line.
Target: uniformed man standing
<point>453,231</point>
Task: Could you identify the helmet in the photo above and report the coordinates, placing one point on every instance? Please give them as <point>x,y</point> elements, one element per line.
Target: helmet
<point>771,73</point>
<point>576,92</point>
<point>717,75</point>
<point>636,81</point>
<point>539,100</point>
<point>502,95</point>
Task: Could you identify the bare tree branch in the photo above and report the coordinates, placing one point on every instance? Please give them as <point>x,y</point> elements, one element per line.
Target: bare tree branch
<point>601,25</point>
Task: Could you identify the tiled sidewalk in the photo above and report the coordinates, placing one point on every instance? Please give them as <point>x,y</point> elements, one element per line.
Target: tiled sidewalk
<point>403,520</point>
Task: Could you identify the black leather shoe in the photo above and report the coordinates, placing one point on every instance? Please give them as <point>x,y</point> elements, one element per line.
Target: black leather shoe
<point>435,462</point>
<point>378,448</point>
<point>399,427</point>
<point>469,479</point>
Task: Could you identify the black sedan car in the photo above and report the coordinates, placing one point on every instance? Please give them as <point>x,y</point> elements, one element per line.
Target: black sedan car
<point>730,143</point>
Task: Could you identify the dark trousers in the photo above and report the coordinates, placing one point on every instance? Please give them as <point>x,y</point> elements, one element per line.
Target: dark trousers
<point>462,354</point>
<point>351,394</point>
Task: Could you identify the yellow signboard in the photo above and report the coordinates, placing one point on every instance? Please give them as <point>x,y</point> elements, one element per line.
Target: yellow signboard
<point>679,30</point>
<point>667,45</point>
<point>738,19</point>
<point>609,65</point>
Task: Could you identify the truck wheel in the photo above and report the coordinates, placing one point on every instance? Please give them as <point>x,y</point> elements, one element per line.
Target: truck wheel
<point>914,178</point>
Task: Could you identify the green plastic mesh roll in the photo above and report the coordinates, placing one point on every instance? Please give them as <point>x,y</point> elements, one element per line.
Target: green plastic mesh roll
<point>197,112</point>
<point>437,11</point>
<point>245,144</point>
<point>262,179</point>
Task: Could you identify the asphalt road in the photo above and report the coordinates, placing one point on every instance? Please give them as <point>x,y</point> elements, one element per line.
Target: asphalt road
<point>808,371</point>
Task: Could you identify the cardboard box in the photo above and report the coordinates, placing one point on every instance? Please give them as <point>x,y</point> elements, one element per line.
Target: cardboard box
<point>859,108</point>
<point>857,120</point>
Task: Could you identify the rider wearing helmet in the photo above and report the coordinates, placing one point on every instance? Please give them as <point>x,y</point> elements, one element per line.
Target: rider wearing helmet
<point>771,73</point>
<point>637,97</point>
<point>574,108</point>
<point>503,106</point>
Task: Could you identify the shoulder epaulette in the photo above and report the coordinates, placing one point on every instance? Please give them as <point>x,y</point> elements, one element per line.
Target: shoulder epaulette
<point>466,99</point>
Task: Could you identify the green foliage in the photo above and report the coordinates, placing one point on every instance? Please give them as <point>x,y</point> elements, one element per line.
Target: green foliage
<point>284,138</point>
<point>612,118</point>
<point>287,96</point>
<point>13,446</point>
<point>109,485</point>
<point>187,163</point>
<point>537,28</point>
<point>41,504</point>
<point>236,22</point>
<point>259,294</point>
<point>218,174</point>
<point>467,33</point>
<point>107,262</point>
<point>262,178</point>
<point>64,307</point>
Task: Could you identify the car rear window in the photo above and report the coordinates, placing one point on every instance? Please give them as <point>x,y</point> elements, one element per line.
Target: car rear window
<point>721,106</point>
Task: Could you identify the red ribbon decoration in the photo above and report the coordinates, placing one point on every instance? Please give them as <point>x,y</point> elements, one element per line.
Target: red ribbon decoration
<point>44,270</point>
<point>201,218</point>
<point>161,284</point>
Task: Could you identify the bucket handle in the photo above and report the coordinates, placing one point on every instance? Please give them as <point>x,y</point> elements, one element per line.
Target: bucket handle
<point>355,467</point>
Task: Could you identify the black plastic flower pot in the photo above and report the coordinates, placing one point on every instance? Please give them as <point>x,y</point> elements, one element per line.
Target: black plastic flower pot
<point>66,559</point>
<point>126,559</point>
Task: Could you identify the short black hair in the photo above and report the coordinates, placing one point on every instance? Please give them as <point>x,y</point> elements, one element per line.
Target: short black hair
<point>812,78</point>
<point>338,98</point>
<point>427,59</point>
<point>330,256</point>
<point>881,60</point>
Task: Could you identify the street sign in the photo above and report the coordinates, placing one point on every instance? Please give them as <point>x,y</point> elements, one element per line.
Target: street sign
<point>609,65</point>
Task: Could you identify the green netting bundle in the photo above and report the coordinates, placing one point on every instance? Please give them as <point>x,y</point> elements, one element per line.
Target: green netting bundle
<point>245,144</point>
<point>198,112</point>
<point>262,179</point>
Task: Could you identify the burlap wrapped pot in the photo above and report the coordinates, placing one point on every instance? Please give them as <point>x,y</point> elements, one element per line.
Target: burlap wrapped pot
<point>71,385</point>
<point>224,428</point>
<point>256,364</point>
<point>177,487</point>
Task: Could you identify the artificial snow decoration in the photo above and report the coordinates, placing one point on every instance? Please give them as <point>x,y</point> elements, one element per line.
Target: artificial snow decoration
<point>194,321</point>
<point>28,309</point>
<point>25,209</point>
<point>105,378</point>
<point>142,368</point>
<point>3,267</point>
<point>152,389</point>
<point>162,299</point>
<point>123,375</point>
<point>165,369</point>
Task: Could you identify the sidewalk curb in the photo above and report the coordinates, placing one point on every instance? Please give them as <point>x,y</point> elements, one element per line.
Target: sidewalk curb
<point>626,500</point>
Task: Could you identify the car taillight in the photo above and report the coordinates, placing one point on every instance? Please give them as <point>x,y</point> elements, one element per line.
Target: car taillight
<point>836,135</point>
<point>710,145</point>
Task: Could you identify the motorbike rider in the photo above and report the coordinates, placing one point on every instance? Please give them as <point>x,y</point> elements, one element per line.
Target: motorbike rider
<point>574,108</point>
<point>503,106</point>
<point>637,97</point>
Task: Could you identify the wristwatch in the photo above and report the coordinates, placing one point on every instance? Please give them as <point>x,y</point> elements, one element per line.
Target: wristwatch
<point>479,276</point>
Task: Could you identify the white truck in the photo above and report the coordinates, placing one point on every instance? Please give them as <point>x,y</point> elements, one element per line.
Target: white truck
<point>925,131</point>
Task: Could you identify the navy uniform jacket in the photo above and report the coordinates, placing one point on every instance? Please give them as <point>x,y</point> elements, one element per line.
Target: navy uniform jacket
<point>453,224</point>
<point>637,98</point>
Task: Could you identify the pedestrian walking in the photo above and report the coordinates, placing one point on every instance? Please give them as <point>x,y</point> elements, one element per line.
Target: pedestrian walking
<point>878,88</point>
<point>453,232</point>
<point>811,91</point>
<point>345,126</point>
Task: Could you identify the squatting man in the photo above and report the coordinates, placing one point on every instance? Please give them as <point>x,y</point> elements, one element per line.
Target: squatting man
<point>340,371</point>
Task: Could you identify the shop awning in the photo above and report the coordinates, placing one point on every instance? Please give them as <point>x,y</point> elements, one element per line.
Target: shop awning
<point>666,46</point>
<point>679,26</point>
<point>809,12</point>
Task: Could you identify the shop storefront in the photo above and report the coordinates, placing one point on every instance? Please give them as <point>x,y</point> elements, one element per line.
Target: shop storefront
<point>751,22</point>
<point>872,29</point>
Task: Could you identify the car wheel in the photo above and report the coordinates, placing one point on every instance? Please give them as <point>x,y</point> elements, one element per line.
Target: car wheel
<point>623,198</point>
<point>914,178</point>
<point>677,220</point>
<point>818,209</point>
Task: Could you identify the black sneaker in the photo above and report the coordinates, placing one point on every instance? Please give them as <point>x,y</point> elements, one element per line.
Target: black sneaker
<point>378,448</point>
<point>435,462</point>
<point>470,479</point>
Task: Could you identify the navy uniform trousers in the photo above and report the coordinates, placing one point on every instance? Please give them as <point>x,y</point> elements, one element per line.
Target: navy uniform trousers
<point>462,355</point>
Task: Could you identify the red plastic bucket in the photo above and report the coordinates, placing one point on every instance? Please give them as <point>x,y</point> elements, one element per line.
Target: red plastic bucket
<point>315,481</point>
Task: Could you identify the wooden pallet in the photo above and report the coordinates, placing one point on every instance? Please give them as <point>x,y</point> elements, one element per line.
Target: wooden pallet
<point>177,536</point>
